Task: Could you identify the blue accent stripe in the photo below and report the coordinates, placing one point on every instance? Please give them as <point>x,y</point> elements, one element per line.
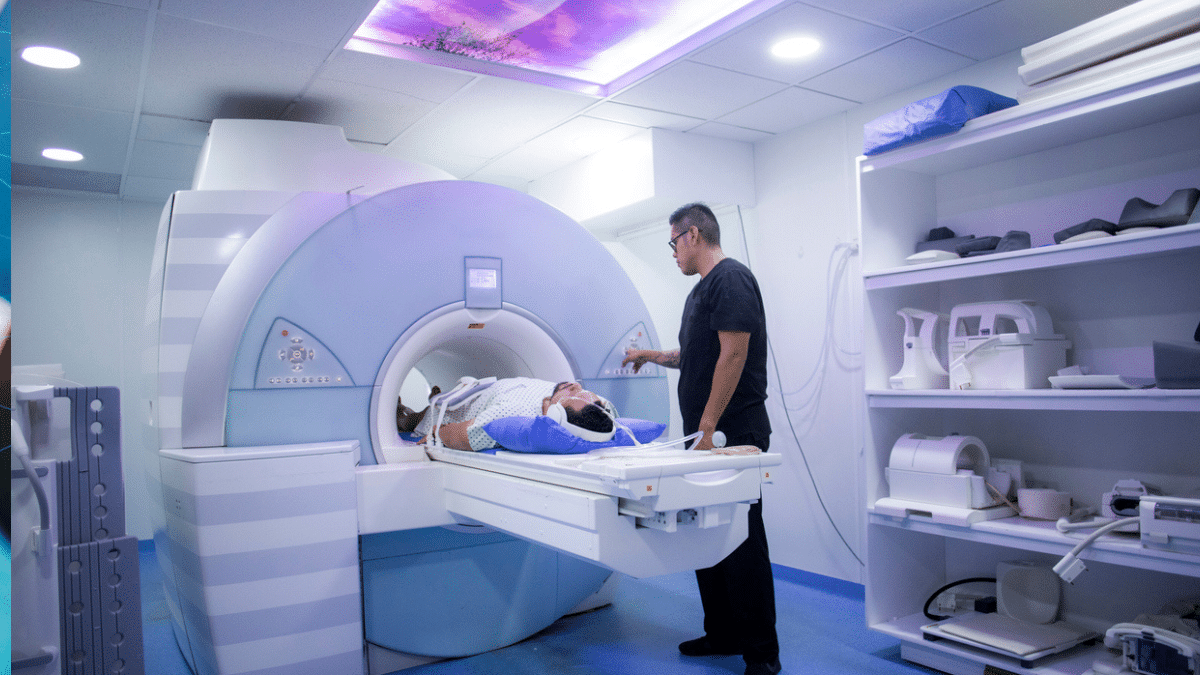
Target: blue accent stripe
<point>246,507</point>
<point>205,225</point>
<point>178,330</point>
<point>194,277</point>
<point>232,629</point>
<point>350,662</point>
<point>236,568</point>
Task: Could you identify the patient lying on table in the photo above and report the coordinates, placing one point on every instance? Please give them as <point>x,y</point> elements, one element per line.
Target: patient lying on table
<point>584,413</point>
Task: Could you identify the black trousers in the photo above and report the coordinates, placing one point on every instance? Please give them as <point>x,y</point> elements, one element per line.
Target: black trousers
<point>738,593</point>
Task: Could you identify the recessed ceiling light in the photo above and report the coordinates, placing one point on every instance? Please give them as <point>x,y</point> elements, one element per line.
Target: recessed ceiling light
<point>50,57</point>
<point>795,47</point>
<point>61,155</point>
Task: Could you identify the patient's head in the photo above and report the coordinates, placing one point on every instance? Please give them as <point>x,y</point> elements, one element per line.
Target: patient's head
<point>591,417</point>
<point>583,408</point>
<point>572,396</point>
<point>407,419</point>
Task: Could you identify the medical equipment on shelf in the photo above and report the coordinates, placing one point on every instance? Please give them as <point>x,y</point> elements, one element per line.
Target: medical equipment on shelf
<point>276,382</point>
<point>1123,500</point>
<point>1043,503</point>
<point>1024,625</point>
<point>75,577</point>
<point>1170,523</point>
<point>941,478</point>
<point>921,368</point>
<point>1003,345</point>
<point>1150,650</point>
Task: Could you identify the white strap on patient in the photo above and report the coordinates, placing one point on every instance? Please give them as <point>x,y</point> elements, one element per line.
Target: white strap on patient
<point>467,390</point>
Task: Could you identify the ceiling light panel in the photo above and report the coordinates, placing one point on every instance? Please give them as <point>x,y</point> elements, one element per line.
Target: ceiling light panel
<point>583,45</point>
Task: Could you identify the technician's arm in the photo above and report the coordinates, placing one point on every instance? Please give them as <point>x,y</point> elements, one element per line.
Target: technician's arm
<point>734,348</point>
<point>639,358</point>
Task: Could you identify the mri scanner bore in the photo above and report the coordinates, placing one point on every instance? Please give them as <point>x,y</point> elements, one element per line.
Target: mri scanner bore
<point>286,323</point>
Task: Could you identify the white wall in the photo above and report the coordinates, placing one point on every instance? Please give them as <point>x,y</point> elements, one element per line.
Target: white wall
<point>807,207</point>
<point>80,272</point>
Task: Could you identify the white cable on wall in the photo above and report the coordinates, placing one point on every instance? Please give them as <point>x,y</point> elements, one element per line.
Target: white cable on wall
<point>818,368</point>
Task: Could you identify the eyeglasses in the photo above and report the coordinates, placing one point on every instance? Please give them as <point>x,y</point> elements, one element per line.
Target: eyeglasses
<point>672,243</point>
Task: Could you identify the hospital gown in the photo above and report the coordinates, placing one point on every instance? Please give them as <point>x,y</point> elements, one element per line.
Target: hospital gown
<point>508,397</point>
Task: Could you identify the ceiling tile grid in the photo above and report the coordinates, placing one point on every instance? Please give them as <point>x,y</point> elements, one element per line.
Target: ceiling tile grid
<point>698,90</point>
<point>842,39</point>
<point>179,64</point>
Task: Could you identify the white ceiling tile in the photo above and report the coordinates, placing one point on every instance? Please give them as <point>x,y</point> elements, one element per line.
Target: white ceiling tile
<point>317,23</point>
<point>107,39</point>
<point>164,160</point>
<point>842,38</point>
<point>451,160</point>
<point>430,83</point>
<point>101,135</point>
<point>908,15</point>
<point>1008,25</point>
<point>563,145</point>
<point>200,71</point>
<point>172,130</point>
<point>364,113</point>
<point>900,66</point>
<point>518,183</point>
<point>786,110</point>
<point>698,90</point>
<point>147,189</point>
<point>729,131</point>
<point>642,117</point>
<point>491,117</point>
<point>583,135</point>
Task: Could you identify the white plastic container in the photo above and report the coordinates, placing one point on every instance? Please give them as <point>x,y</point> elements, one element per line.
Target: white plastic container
<point>1003,345</point>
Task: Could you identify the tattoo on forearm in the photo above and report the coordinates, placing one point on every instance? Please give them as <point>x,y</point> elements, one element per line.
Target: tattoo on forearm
<point>669,359</point>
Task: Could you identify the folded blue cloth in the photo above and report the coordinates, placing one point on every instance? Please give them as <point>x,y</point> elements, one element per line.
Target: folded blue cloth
<point>930,117</point>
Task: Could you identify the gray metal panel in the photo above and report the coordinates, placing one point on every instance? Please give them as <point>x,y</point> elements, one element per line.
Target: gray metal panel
<point>91,487</point>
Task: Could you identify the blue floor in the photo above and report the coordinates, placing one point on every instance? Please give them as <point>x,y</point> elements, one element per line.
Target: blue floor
<point>820,624</point>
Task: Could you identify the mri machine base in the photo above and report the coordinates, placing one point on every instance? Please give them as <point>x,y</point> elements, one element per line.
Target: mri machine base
<point>292,558</point>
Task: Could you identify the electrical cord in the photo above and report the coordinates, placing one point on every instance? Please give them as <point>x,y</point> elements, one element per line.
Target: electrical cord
<point>971,580</point>
<point>787,415</point>
<point>1071,566</point>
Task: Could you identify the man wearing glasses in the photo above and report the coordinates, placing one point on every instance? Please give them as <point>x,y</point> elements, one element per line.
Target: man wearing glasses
<point>722,362</point>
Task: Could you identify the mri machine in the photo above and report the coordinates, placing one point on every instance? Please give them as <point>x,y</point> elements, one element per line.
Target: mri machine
<point>297,289</point>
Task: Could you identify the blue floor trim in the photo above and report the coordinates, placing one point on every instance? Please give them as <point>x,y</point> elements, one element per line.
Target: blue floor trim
<point>846,589</point>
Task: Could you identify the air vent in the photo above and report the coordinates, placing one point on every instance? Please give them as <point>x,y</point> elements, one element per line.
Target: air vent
<point>65,179</point>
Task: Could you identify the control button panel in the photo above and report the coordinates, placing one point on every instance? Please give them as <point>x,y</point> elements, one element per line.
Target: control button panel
<point>292,357</point>
<point>637,338</point>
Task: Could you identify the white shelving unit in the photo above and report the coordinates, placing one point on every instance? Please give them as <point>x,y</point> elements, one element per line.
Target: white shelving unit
<point>1038,168</point>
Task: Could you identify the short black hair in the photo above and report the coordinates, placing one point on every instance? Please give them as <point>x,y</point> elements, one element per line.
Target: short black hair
<point>591,417</point>
<point>701,217</point>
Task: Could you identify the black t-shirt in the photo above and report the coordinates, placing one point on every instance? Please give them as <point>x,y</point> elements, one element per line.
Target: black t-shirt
<point>726,299</point>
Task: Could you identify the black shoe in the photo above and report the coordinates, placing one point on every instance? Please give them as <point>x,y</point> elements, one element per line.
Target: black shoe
<point>702,646</point>
<point>763,668</point>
